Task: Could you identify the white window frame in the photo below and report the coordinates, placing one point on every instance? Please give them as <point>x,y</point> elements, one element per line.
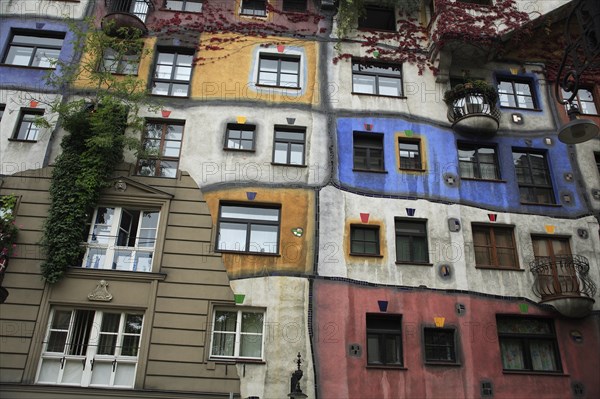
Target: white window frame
<point>238,333</point>
<point>81,367</point>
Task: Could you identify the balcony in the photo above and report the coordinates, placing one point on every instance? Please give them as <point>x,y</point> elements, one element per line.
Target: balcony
<point>125,16</point>
<point>474,113</point>
<point>563,282</point>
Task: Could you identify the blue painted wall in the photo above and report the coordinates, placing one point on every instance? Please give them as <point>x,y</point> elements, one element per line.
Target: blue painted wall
<point>440,148</point>
<point>30,78</point>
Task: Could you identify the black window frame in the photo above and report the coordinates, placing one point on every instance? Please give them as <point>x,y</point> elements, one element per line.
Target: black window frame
<point>373,17</point>
<point>382,334</point>
<point>514,80</point>
<point>577,99</point>
<point>450,344</point>
<point>526,339</point>
<point>463,146</point>
<point>253,8</point>
<point>34,47</point>
<point>530,185</point>
<point>120,63</point>
<point>23,113</point>
<point>279,58</point>
<point>176,51</point>
<point>184,4</point>
<point>354,230</point>
<point>356,71</point>
<point>294,5</point>
<point>376,144</point>
<point>231,127</point>
<point>417,167</point>
<point>492,230</point>
<point>158,160</point>
<point>411,238</point>
<point>249,223</point>
<point>289,142</point>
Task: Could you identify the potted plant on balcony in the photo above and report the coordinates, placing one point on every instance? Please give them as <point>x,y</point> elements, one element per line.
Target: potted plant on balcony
<point>472,87</point>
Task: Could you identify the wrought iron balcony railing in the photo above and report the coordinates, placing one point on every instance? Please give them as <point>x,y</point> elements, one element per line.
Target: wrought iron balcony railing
<point>473,112</point>
<point>126,17</point>
<point>138,8</point>
<point>564,276</point>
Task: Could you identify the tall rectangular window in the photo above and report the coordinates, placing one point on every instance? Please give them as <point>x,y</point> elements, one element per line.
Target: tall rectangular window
<point>516,93</point>
<point>478,162</point>
<point>240,137</point>
<point>289,145</point>
<point>440,345</point>
<point>91,348</point>
<point>249,229</point>
<point>378,78</point>
<point>533,177</point>
<point>368,151</point>
<point>528,344</point>
<point>125,64</point>
<point>257,8</point>
<point>364,240</point>
<point>279,71</point>
<point>384,340</point>
<point>27,130</point>
<point>34,48</point>
<point>584,100</point>
<point>162,142</point>
<point>411,241</point>
<point>122,239</point>
<point>237,333</point>
<point>184,5</point>
<point>495,246</point>
<point>410,154</point>
<point>378,18</point>
<point>173,72</point>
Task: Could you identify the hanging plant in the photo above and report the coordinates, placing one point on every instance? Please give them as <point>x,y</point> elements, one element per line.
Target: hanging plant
<point>478,87</point>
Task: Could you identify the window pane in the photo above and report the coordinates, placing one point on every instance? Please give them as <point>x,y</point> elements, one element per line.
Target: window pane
<point>125,374</point>
<point>285,135</point>
<point>420,249</point>
<point>289,67</point>
<point>160,88</point>
<point>163,71</point>
<point>223,344</point>
<point>56,341</point>
<point>402,249</point>
<point>390,87</point>
<point>49,371</point>
<point>267,65</point>
<point>19,55</point>
<point>45,57</point>
<point>280,155</point>
<point>251,346</point>
<point>288,80</point>
<point>185,60</point>
<point>252,322</point>
<point>296,155</point>
<point>263,238</point>
<point>512,354</point>
<point>183,73</point>
<point>101,373</point>
<point>246,212</point>
<point>110,322</point>
<point>179,90</point>
<point>232,236</point>
<point>392,349</point>
<point>542,355</point>
<point>467,169</point>
<point>96,258</point>
<point>225,321</point>
<point>488,171</point>
<point>373,349</point>
<point>131,344</point>
<point>107,344</point>
<point>269,79</point>
<point>363,84</point>
<point>72,371</point>
<point>133,323</point>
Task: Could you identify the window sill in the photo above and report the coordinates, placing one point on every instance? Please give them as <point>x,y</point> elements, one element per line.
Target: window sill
<point>378,95</point>
<point>170,96</point>
<point>369,170</point>
<point>483,180</point>
<point>288,164</point>
<point>253,16</point>
<point>414,263</point>
<point>363,29</point>
<point>180,11</point>
<point>541,204</point>
<point>366,255</point>
<point>434,363</point>
<point>236,360</point>
<point>532,372</point>
<point>22,141</point>
<point>28,67</point>
<point>385,367</point>
<point>521,109</point>
<point>412,170</point>
<point>122,74</point>
<point>237,149</point>
<point>126,275</point>
<point>224,251</point>
<point>507,269</point>
<point>277,87</point>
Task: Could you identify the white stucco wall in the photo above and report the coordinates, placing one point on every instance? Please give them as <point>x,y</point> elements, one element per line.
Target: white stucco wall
<point>58,9</point>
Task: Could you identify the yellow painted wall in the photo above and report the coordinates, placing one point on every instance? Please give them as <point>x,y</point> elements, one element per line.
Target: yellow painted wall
<point>295,253</point>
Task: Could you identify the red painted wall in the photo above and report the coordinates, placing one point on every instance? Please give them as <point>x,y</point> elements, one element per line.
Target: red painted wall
<point>340,310</point>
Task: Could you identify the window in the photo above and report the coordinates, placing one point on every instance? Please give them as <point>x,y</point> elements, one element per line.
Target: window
<point>27,129</point>
<point>410,154</point>
<point>384,340</point>
<point>364,240</point>
<point>294,5</point>
<point>495,246</point>
<point>533,177</point>
<point>237,333</point>
<point>239,137</point>
<point>121,239</point>
<point>91,348</point>
<point>2,107</point>
<point>368,151</point>
<point>478,162</point>
<point>162,141</point>
<point>248,229</point>
<point>516,93</point>
<point>184,5</point>
<point>113,62</point>
<point>584,100</point>
<point>279,71</point>
<point>257,8</point>
<point>288,147</point>
<point>596,158</point>
<point>411,241</point>
<point>376,78</point>
<point>528,344</point>
<point>378,18</point>
<point>173,72</point>
<point>440,346</point>
<point>34,49</point>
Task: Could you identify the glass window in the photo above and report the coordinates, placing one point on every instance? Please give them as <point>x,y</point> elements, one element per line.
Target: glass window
<point>279,71</point>
<point>238,333</point>
<point>364,240</point>
<point>376,78</point>
<point>91,348</point>
<point>533,177</point>
<point>184,5</point>
<point>440,346</point>
<point>121,239</point>
<point>495,246</point>
<point>584,100</point>
<point>478,162</point>
<point>368,151</point>
<point>411,241</point>
<point>240,137</point>
<point>257,8</point>
<point>2,108</point>
<point>162,143</point>
<point>34,49</point>
<point>516,93</point>
<point>294,5</point>
<point>378,18</point>
<point>248,229</point>
<point>289,146</point>
<point>114,62</point>
<point>384,340</point>
<point>27,130</point>
<point>173,72</point>
<point>410,154</point>
<point>528,344</point>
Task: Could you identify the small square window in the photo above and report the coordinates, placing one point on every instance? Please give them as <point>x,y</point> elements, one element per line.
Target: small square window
<point>26,128</point>
<point>364,240</point>
<point>410,154</point>
<point>125,64</point>
<point>377,78</point>
<point>39,49</point>
<point>378,18</point>
<point>289,146</point>
<point>184,5</point>
<point>384,340</point>
<point>368,151</point>
<point>162,141</point>
<point>294,5</point>
<point>478,162</point>
<point>440,345</point>
<point>248,229</point>
<point>256,8</point>
<point>240,137</point>
<point>584,100</point>
<point>516,93</point>
<point>411,241</point>
<point>279,71</point>
<point>533,177</point>
<point>173,72</point>
<point>495,246</point>
<point>237,333</point>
